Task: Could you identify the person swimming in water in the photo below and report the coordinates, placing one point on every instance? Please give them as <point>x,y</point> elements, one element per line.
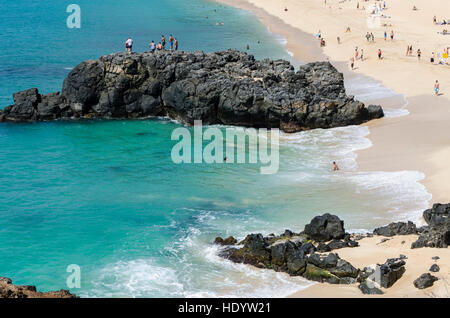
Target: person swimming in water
<point>335,166</point>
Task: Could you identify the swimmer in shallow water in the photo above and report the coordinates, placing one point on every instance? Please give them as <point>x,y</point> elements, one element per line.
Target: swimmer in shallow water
<point>335,166</point>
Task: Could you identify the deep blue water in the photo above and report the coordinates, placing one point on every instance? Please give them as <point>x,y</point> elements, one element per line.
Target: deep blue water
<point>106,195</point>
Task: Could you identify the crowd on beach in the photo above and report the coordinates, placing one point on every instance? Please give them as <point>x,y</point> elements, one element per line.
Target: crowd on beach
<point>173,44</point>
<point>376,10</point>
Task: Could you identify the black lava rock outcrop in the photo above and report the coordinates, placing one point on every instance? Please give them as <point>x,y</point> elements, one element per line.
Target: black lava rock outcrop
<point>325,228</point>
<point>299,253</point>
<point>438,214</point>
<point>391,271</point>
<point>437,233</point>
<point>399,228</point>
<point>424,281</point>
<point>228,87</point>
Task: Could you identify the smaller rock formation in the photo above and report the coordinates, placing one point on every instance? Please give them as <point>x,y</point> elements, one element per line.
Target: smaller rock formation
<point>391,271</point>
<point>424,281</point>
<point>373,277</point>
<point>325,228</point>
<point>9,290</point>
<point>438,214</point>
<point>399,228</point>
<point>435,268</point>
<point>434,236</point>
<point>228,241</point>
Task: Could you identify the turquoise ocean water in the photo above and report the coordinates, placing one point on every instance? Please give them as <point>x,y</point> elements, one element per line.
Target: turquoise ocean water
<point>106,196</point>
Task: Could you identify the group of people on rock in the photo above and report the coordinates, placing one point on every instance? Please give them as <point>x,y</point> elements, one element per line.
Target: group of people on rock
<point>173,44</point>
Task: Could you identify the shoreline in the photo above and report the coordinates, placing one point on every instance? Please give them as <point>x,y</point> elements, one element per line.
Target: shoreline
<point>398,143</point>
<point>417,141</point>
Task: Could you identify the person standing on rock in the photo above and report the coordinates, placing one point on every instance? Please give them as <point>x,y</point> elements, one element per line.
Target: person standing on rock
<point>152,46</point>
<point>176,44</point>
<point>171,42</point>
<point>163,42</point>
<point>129,45</point>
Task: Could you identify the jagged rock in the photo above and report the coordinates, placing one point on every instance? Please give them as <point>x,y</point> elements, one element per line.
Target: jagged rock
<point>228,241</point>
<point>344,269</point>
<point>435,268</point>
<point>9,290</point>
<point>338,244</point>
<point>308,248</point>
<point>228,87</point>
<point>368,287</point>
<point>399,228</point>
<point>254,252</point>
<point>324,261</point>
<point>424,281</point>
<point>438,214</point>
<point>321,248</point>
<point>434,236</point>
<point>391,271</point>
<point>288,253</point>
<point>325,228</point>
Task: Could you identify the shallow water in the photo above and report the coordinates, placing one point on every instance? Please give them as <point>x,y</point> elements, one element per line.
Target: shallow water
<point>105,195</point>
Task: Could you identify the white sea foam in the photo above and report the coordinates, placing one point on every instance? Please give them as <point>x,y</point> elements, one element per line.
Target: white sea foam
<point>136,278</point>
<point>401,193</point>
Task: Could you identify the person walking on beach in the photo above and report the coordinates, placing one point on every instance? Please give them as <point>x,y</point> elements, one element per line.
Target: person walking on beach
<point>432,58</point>
<point>419,53</point>
<point>379,54</point>
<point>163,42</point>
<point>392,35</point>
<point>436,88</point>
<point>129,45</point>
<point>339,40</point>
<point>362,55</point>
<point>352,63</point>
<point>356,53</point>
<point>385,35</point>
<point>372,37</point>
